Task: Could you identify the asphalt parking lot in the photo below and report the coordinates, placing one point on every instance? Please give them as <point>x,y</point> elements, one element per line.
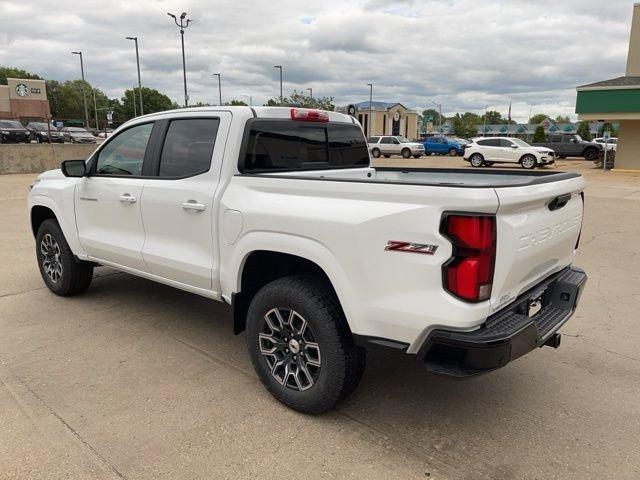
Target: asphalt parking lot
<point>137,380</point>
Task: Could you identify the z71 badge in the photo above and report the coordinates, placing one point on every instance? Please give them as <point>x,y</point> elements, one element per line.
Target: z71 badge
<point>423,248</point>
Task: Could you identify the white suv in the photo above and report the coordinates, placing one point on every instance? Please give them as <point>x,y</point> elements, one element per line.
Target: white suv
<point>487,151</point>
<point>394,145</point>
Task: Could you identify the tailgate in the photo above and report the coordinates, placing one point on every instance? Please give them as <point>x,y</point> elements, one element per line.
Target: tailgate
<point>536,235</point>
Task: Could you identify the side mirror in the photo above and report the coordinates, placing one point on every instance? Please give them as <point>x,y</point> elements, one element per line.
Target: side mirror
<point>514,146</point>
<point>74,168</point>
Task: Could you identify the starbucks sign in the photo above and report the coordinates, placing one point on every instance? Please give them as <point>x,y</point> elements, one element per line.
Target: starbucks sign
<point>22,90</point>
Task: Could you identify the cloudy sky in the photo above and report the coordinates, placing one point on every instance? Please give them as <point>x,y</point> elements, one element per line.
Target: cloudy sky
<point>463,54</point>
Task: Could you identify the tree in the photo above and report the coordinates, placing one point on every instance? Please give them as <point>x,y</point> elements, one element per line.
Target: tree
<point>538,118</point>
<point>153,101</point>
<point>299,98</point>
<point>539,136</point>
<point>10,72</point>
<point>66,101</point>
<point>583,131</point>
<point>465,125</point>
<point>562,119</point>
<point>238,103</point>
<point>494,118</point>
<point>434,114</point>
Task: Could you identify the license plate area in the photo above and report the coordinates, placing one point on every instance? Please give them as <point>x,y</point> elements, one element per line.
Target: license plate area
<point>537,300</point>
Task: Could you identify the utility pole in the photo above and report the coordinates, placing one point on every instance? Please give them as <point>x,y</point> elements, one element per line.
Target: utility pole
<point>182,26</point>
<point>135,39</point>
<point>279,67</point>
<point>95,106</point>
<point>219,88</point>
<point>370,109</point>
<point>84,93</point>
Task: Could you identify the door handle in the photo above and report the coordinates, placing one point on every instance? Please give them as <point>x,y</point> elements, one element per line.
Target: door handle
<point>193,205</point>
<point>127,198</point>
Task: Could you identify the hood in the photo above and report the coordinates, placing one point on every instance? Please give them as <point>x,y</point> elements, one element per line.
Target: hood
<point>80,134</point>
<point>57,173</point>
<point>15,129</point>
<point>542,149</point>
<point>414,144</point>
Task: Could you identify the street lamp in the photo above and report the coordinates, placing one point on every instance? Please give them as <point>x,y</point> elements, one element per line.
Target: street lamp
<point>310,92</point>
<point>182,26</point>
<point>135,39</point>
<point>84,95</point>
<point>484,130</point>
<point>279,67</point>
<point>439,105</point>
<point>95,106</point>
<point>370,108</point>
<point>219,88</point>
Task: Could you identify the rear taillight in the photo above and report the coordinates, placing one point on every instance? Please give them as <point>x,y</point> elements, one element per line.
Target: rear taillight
<point>308,115</point>
<point>468,274</point>
<point>581,221</point>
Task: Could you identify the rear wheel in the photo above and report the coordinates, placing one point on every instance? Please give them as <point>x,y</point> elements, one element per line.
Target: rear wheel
<point>590,154</point>
<point>375,152</point>
<point>300,345</point>
<point>406,153</point>
<point>62,273</point>
<point>453,152</point>
<point>476,160</point>
<point>528,162</point>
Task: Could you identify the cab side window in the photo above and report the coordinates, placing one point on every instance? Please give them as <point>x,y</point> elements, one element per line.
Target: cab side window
<point>124,154</point>
<point>505,143</point>
<point>188,147</point>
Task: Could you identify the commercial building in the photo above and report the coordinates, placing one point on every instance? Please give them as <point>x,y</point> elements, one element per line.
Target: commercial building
<point>618,99</point>
<point>24,99</point>
<point>386,118</point>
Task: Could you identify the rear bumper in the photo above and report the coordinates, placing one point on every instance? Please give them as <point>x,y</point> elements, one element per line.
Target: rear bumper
<point>509,333</point>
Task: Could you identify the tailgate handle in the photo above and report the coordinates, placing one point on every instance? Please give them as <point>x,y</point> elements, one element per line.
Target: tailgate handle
<point>559,202</point>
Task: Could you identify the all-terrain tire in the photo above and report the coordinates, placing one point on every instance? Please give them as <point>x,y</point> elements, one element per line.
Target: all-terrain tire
<point>342,362</point>
<point>63,274</point>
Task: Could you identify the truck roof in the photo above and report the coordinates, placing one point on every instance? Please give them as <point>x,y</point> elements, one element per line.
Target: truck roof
<point>257,112</point>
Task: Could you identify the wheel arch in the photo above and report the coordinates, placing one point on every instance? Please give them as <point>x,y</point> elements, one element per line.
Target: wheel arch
<point>38,214</point>
<point>529,154</point>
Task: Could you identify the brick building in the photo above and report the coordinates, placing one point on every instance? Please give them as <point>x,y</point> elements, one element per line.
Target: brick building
<point>24,100</point>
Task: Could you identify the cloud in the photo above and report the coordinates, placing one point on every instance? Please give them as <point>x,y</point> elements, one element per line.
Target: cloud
<point>463,54</point>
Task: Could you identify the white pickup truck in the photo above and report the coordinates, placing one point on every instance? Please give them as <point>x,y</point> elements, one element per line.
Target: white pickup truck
<point>276,212</point>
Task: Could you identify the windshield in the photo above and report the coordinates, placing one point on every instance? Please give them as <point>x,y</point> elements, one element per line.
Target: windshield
<point>43,126</point>
<point>403,140</point>
<point>519,142</point>
<point>460,140</point>
<point>579,138</point>
<point>10,124</point>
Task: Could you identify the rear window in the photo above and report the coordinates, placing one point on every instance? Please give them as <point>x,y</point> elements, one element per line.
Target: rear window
<point>286,145</point>
<point>188,147</point>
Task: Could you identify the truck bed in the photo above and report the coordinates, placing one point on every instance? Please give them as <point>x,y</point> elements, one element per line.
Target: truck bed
<point>446,177</point>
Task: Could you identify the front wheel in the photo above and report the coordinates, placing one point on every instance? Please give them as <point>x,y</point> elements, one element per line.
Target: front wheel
<point>300,344</point>
<point>62,273</point>
<point>528,162</point>
<point>375,152</point>
<point>406,153</point>
<point>476,160</point>
<point>590,154</point>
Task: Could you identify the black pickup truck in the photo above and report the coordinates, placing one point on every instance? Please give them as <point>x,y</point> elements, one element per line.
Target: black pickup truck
<point>571,146</point>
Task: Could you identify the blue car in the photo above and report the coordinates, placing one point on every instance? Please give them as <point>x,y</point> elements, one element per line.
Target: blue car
<point>444,146</point>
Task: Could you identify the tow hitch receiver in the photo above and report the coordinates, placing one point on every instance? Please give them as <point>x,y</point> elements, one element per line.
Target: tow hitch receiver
<point>554,340</point>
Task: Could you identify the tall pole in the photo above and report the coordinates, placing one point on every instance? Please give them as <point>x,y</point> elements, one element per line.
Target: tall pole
<point>84,93</point>
<point>219,88</point>
<point>310,92</point>
<point>95,106</point>
<point>279,67</point>
<point>182,26</point>
<point>484,128</point>
<point>135,39</point>
<point>370,109</point>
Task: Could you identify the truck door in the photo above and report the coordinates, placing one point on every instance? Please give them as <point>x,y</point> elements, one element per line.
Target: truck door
<point>108,200</point>
<point>177,204</point>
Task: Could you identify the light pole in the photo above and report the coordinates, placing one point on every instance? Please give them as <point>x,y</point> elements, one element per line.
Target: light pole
<point>135,39</point>
<point>310,92</point>
<point>439,114</point>
<point>370,108</point>
<point>182,26</point>
<point>484,129</point>
<point>95,106</point>
<point>279,67</point>
<point>84,94</point>
<point>219,88</point>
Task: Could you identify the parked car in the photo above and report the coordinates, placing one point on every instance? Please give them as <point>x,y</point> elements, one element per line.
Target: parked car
<point>487,151</point>
<point>276,212</point>
<point>40,132</point>
<point>103,134</point>
<point>12,131</point>
<point>394,145</point>
<point>571,146</point>
<point>612,143</point>
<point>443,146</point>
<point>77,135</point>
